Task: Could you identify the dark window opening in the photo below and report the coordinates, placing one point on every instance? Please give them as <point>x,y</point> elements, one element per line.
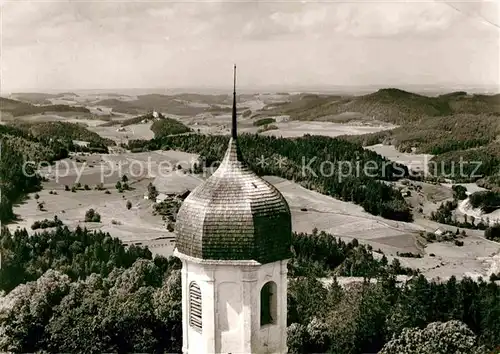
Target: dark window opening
<point>268,304</point>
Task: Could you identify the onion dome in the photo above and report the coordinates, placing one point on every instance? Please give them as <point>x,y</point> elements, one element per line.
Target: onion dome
<point>234,215</point>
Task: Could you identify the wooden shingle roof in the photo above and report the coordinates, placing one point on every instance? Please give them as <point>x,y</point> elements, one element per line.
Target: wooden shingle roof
<point>234,215</point>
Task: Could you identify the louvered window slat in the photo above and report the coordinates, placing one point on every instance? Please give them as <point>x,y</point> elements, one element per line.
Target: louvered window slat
<point>195,306</point>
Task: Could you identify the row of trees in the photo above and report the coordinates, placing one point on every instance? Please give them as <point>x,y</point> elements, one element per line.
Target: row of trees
<point>330,166</point>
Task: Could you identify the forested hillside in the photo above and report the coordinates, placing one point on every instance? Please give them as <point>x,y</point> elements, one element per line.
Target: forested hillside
<point>168,126</point>
<point>14,182</point>
<point>18,146</point>
<point>63,131</point>
<point>316,162</point>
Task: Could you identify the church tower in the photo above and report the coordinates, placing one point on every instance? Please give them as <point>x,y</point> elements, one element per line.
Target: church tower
<point>233,236</point>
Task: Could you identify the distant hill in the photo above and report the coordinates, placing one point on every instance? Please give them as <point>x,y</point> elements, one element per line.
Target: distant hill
<point>388,105</point>
<point>9,105</point>
<point>39,98</point>
<point>34,97</point>
<point>455,127</point>
<point>17,108</point>
<point>161,126</point>
<point>130,121</point>
<point>137,120</point>
<point>182,104</point>
<point>437,136</point>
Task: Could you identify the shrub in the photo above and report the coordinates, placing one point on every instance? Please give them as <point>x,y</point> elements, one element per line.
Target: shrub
<point>118,185</point>
<point>66,188</point>
<point>36,225</point>
<point>459,192</point>
<point>492,233</point>
<point>86,187</point>
<point>107,192</point>
<point>129,204</point>
<point>494,277</point>
<point>265,128</point>
<point>92,216</point>
<point>488,201</point>
<point>264,121</point>
<point>46,223</point>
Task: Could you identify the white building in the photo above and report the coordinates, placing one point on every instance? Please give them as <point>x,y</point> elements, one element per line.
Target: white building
<point>439,232</point>
<point>81,143</point>
<point>161,197</point>
<point>233,236</point>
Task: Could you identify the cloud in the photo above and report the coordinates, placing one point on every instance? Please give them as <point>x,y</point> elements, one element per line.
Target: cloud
<point>367,19</point>
<point>49,44</point>
<point>142,21</point>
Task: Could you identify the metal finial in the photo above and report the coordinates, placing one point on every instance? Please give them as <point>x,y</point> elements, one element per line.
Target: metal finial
<point>234,133</point>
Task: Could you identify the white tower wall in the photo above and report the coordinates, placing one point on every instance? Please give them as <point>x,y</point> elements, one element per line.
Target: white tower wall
<point>231,307</point>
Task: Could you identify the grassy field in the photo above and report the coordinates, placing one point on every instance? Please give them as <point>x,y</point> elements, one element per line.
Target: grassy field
<point>417,162</point>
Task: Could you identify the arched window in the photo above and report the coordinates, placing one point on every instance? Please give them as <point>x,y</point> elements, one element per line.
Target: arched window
<point>194,306</point>
<point>268,304</point>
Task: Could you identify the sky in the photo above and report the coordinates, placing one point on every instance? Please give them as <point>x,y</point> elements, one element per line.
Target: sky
<point>59,45</point>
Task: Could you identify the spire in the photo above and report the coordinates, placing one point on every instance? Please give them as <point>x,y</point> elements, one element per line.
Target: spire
<point>234,134</point>
<point>233,154</point>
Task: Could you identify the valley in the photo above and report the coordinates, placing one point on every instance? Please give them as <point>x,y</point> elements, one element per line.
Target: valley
<point>290,116</point>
